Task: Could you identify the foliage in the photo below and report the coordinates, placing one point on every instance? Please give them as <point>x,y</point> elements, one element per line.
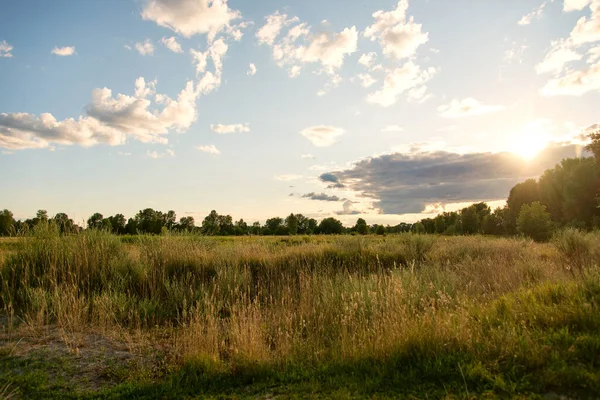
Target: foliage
<point>534,221</point>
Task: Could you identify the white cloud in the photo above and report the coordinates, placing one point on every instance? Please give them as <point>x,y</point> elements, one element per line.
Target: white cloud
<point>593,54</point>
<point>366,80</point>
<point>560,55</point>
<point>271,29</point>
<point>143,89</point>
<point>287,177</point>
<point>156,155</point>
<point>251,70</point>
<point>587,30</point>
<point>146,48</point>
<point>574,83</point>
<point>409,78</point>
<point>210,149</point>
<point>399,36</point>
<point>64,51</point>
<point>465,108</point>
<point>366,60</point>
<point>322,136</point>
<point>193,17</point>
<point>5,49</point>
<point>110,120</point>
<point>535,14</point>
<point>392,128</point>
<point>172,44</point>
<point>300,46</point>
<point>307,156</point>
<point>124,154</point>
<point>575,5</point>
<point>222,129</point>
<point>210,81</point>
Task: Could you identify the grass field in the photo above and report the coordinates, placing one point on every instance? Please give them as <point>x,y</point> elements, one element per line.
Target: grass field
<point>100,316</point>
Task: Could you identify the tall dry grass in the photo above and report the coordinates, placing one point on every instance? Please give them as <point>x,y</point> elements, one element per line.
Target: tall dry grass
<point>277,301</point>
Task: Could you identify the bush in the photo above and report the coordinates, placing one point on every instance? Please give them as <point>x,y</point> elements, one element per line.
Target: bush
<point>535,222</point>
<point>575,247</point>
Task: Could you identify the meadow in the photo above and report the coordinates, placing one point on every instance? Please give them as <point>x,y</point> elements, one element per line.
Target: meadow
<point>95,315</point>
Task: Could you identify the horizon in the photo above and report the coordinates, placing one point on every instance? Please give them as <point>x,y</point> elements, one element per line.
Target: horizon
<point>390,111</point>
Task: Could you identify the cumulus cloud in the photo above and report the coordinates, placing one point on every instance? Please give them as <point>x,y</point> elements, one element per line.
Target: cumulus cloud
<point>63,51</point>
<point>222,129</point>
<point>367,59</point>
<point>145,48</point>
<point>216,51</point>
<point>465,108</point>
<point>560,54</point>
<point>399,36</point>
<point>251,70</point>
<point>347,209</point>
<point>210,149</point>
<point>322,136</point>
<point>193,17</point>
<point>535,14</point>
<point>172,44</point>
<point>320,197</point>
<point>300,46</point>
<point>288,177</point>
<point>109,119</point>
<point>402,183</point>
<point>5,49</point>
<point>409,79</point>
<point>273,26</point>
<point>392,128</point>
<point>574,83</point>
<point>156,155</point>
<point>568,80</point>
<point>366,80</point>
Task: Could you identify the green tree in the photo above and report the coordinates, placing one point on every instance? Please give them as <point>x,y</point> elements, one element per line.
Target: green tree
<point>470,220</point>
<point>331,226</point>
<point>535,222</point>
<point>117,224</point>
<point>210,225</point>
<point>64,223</point>
<point>272,226</point>
<point>594,146</point>
<point>523,193</point>
<point>241,227</point>
<point>418,228</point>
<point>186,224</point>
<point>7,223</point>
<point>95,221</point>
<point>292,223</point>
<point>361,226</point>
<point>380,230</point>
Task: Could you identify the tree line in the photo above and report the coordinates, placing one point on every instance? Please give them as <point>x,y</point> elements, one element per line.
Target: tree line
<point>567,195</point>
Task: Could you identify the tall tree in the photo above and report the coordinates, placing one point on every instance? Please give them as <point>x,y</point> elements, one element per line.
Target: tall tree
<point>210,225</point>
<point>95,221</point>
<point>7,222</point>
<point>292,224</point>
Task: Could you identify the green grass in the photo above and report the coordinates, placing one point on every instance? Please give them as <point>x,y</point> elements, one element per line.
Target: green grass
<point>300,317</point>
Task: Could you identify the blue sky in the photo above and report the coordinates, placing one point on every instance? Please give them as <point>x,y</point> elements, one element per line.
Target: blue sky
<point>383,109</point>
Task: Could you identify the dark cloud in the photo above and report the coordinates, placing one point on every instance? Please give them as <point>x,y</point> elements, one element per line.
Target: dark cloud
<point>347,209</point>
<point>321,197</point>
<point>332,180</point>
<point>402,183</point>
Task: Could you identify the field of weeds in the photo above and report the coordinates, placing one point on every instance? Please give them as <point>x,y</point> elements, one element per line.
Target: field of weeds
<point>101,316</point>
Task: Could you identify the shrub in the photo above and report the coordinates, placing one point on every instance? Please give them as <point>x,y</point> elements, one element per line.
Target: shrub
<point>575,247</point>
<point>535,222</point>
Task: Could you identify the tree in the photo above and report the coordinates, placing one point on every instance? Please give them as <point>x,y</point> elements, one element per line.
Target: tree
<point>170,219</point>
<point>292,224</point>
<point>225,225</point>
<point>535,222</point>
<point>186,224</point>
<point>331,226</point>
<point>255,229</point>
<point>594,146</point>
<point>241,227</point>
<point>418,228</point>
<point>64,223</point>
<point>210,225</point>
<point>380,230</point>
<point>117,224</point>
<point>470,220</point>
<point>361,226</point>
<point>523,193</point>
<point>7,223</point>
<point>272,226</point>
<point>95,221</point>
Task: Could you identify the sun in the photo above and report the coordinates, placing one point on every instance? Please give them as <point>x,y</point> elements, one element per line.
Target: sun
<point>529,144</point>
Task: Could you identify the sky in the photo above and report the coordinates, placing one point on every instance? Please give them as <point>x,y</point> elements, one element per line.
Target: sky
<point>383,109</point>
